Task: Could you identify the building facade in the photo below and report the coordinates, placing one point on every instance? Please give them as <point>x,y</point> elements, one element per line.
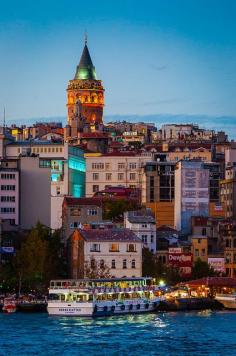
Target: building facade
<point>143,224</point>
<point>114,169</point>
<point>120,250</point>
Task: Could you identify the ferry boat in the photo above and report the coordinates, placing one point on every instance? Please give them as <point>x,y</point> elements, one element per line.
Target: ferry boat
<point>228,300</point>
<point>102,297</point>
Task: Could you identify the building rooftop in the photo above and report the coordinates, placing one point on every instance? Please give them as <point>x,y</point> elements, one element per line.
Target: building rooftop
<point>140,216</point>
<point>113,235</point>
<point>82,201</point>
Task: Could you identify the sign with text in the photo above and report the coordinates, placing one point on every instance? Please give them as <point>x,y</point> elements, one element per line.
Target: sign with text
<point>175,250</point>
<point>217,263</point>
<point>183,261</point>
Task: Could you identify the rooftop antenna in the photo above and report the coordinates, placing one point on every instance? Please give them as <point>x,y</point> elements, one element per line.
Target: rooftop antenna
<point>4,119</point>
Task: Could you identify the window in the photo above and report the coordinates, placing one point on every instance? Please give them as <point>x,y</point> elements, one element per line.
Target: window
<point>133,264</point>
<point>8,176</point>
<point>8,198</point>
<point>132,165</point>
<point>120,176</point>
<point>124,264</point>
<point>121,166</point>
<point>92,263</point>
<point>131,248</point>
<point>95,176</point>
<point>144,225</point>
<point>203,252</point>
<point>203,231</point>
<point>95,188</point>
<point>196,252</point>
<point>74,224</point>
<point>8,187</point>
<point>92,212</point>
<point>108,176</point>
<point>102,264</point>
<point>152,239</point>
<point>107,166</point>
<point>144,239</point>
<point>7,210</point>
<point>45,163</point>
<point>113,264</point>
<point>114,248</point>
<point>98,166</point>
<point>132,176</point>
<point>95,248</point>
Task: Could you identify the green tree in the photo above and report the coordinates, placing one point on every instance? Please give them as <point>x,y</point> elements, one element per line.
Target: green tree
<point>114,209</point>
<point>202,269</point>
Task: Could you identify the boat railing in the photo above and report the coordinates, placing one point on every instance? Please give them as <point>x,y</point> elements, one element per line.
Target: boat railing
<point>107,290</point>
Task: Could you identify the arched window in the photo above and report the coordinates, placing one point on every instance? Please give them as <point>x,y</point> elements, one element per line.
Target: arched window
<point>102,263</point>
<point>93,263</point>
<point>133,264</point>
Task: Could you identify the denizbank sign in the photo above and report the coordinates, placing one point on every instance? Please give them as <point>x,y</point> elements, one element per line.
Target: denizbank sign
<point>182,261</point>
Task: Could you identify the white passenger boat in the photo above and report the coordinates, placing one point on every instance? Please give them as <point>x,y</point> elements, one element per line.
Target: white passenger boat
<point>228,300</point>
<point>101,297</point>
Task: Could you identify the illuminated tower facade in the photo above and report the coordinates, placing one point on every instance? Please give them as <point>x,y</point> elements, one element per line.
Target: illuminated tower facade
<point>86,91</point>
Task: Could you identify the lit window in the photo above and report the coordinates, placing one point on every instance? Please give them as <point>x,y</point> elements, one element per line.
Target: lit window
<point>114,248</point>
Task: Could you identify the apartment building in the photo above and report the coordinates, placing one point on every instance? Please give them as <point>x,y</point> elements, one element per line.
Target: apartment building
<point>77,212</point>
<point>9,195</point>
<point>143,224</point>
<point>115,169</point>
<point>120,250</point>
<point>191,193</point>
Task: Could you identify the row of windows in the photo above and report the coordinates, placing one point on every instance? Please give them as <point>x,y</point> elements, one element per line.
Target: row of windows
<point>121,165</point>
<point>8,176</point>
<point>120,176</point>
<point>8,187</point>
<point>114,247</point>
<point>96,187</point>
<point>7,210</point>
<point>145,239</point>
<point>44,149</point>
<point>113,264</point>
<point>8,198</point>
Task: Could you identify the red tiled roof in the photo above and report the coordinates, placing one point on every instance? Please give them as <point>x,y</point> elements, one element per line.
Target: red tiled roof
<point>82,201</point>
<point>115,235</point>
<point>93,135</point>
<point>214,282</point>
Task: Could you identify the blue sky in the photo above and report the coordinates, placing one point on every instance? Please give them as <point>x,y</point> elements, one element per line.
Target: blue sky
<point>154,57</point>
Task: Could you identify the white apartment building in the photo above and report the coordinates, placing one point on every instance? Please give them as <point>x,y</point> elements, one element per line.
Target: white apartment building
<point>115,169</point>
<point>143,224</point>
<point>118,249</point>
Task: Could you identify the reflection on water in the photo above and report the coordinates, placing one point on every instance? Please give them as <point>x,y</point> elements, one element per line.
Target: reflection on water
<point>205,332</point>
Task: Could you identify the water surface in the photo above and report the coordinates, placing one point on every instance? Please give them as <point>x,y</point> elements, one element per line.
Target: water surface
<point>192,333</point>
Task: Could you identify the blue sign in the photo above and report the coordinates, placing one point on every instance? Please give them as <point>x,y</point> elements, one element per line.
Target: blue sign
<point>7,249</point>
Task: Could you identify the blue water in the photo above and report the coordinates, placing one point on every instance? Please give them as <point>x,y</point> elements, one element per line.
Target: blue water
<point>195,333</point>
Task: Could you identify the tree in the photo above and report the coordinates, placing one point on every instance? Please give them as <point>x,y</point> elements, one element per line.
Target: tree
<point>202,269</point>
<point>152,267</point>
<point>93,269</point>
<point>114,209</point>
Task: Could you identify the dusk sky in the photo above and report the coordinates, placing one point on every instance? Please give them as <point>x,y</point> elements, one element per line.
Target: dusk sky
<point>154,57</point>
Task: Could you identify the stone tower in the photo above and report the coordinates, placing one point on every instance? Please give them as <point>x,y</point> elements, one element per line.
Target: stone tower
<point>88,91</point>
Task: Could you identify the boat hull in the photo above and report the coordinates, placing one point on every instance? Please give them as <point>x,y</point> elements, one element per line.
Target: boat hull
<point>101,309</point>
<point>229,302</point>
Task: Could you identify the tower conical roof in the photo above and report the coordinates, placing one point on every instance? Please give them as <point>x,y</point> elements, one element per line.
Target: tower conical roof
<point>85,69</point>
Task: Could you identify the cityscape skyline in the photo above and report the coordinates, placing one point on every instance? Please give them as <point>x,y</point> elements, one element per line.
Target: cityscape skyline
<point>172,63</point>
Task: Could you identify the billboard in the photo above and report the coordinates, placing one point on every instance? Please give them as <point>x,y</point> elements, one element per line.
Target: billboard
<point>182,261</point>
<point>217,263</point>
